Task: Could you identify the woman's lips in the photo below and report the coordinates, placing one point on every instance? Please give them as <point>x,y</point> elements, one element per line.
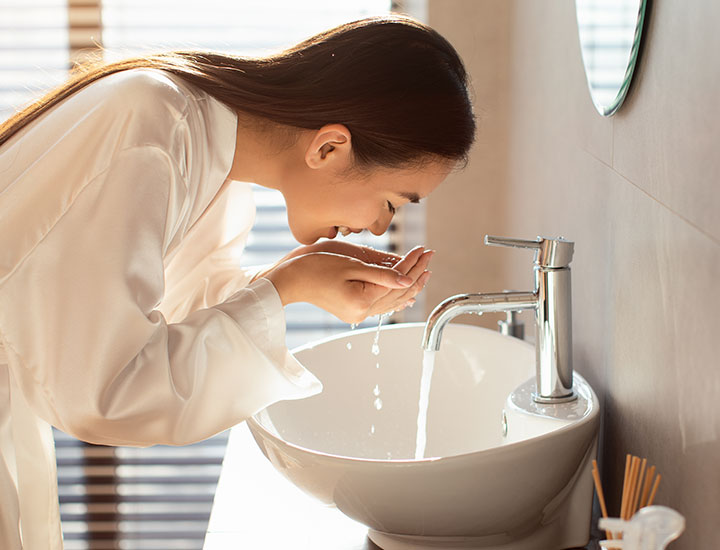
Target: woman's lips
<point>343,230</point>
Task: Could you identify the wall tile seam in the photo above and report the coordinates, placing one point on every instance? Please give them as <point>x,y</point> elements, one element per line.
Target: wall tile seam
<point>612,144</point>
<point>713,239</point>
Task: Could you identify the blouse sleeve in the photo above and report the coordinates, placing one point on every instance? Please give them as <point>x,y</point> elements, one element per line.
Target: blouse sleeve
<point>206,271</point>
<point>90,348</point>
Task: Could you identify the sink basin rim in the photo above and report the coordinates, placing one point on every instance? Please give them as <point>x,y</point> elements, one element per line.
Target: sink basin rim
<point>255,423</point>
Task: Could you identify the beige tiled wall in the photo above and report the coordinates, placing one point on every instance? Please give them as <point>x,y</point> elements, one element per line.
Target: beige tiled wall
<point>637,192</point>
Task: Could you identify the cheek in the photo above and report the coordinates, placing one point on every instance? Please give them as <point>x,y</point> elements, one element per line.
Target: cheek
<point>340,210</point>
<point>355,214</point>
<point>359,209</point>
<point>304,208</point>
<point>366,218</point>
<point>338,205</point>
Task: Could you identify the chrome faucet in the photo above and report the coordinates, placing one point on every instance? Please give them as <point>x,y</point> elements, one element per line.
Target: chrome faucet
<point>551,301</point>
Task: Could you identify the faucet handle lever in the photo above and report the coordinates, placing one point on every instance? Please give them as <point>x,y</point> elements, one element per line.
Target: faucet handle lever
<point>550,253</point>
<point>491,240</point>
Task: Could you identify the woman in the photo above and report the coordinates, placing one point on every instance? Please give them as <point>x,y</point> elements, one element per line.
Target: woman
<point>124,316</point>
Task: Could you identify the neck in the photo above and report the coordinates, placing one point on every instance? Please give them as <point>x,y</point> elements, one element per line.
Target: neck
<point>264,153</point>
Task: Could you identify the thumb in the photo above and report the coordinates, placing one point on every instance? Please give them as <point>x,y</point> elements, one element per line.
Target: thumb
<point>382,276</point>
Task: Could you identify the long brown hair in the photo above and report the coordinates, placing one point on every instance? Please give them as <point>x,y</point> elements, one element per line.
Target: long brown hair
<point>398,85</point>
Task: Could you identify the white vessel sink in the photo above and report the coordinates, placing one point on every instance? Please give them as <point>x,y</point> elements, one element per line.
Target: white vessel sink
<point>353,445</point>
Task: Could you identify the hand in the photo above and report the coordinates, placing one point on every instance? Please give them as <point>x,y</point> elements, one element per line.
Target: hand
<point>346,286</point>
<point>345,248</point>
<point>364,253</point>
<point>414,265</point>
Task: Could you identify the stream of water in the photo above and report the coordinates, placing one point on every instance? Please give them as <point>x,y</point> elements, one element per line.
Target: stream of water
<point>425,380</point>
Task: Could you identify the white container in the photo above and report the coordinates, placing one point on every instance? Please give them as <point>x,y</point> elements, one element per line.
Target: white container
<point>651,528</point>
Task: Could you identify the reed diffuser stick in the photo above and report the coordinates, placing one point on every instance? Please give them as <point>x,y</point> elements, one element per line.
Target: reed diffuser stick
<point>600,494</point>
<point>647,485</point>
<point>632,483</point>
<point>654,490</point>
<point>637,479</point>
<point>623,504</point>
<point>638,489</point>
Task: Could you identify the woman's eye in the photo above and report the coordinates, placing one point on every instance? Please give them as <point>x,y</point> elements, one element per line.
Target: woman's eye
<point>391,207</point>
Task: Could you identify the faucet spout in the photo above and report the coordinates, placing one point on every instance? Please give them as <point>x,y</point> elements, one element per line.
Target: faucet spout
<point>472,303</point>
<point>551,301</point>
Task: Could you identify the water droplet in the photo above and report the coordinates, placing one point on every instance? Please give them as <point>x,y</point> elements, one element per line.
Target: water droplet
<point>353,326</point>
<point>372,429</point>
<point>376,390</point>
<point>377,365</point>
<point>376,347</point>
<point>378,403</point>
<point>348,345</point>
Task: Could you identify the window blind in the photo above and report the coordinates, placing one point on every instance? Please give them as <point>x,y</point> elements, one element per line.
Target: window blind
<point>160,497</point>
<point>34,50</point>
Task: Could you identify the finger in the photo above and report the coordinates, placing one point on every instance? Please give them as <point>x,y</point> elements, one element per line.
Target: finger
<point>421,266</point>
<point>410,259</point>
<point>388,303</point>
<point>379,275</point>
<point>398,309</point>
<point>418,269</point>
<point>402,297</point>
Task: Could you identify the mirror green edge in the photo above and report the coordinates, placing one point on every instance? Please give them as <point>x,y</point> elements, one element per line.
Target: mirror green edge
<point>610,32</point>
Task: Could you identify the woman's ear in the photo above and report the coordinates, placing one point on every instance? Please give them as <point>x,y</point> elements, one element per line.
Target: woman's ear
<point>329,146</point>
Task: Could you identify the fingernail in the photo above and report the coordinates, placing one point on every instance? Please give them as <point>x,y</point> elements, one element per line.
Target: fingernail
<point>404,280</point>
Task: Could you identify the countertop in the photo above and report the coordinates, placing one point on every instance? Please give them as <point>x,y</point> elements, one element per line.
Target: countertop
<point>256,508</point>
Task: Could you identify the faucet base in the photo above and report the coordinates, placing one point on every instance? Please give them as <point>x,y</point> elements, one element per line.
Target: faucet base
<point>554,400</point>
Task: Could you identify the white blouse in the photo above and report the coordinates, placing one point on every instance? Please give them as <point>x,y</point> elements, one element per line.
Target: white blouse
<point>125,318</point>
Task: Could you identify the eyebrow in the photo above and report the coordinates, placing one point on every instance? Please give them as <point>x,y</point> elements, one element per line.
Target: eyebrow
<point>412,197</point>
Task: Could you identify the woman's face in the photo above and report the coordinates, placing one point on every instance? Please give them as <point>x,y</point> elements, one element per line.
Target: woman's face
<point>321,203</point>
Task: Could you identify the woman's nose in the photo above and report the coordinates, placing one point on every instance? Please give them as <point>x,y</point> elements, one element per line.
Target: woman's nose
<point>381,224</point>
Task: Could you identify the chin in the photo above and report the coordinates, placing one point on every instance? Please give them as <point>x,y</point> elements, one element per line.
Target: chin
<point>302,237</point>
<point>315,236</point>
<point>306,239</point>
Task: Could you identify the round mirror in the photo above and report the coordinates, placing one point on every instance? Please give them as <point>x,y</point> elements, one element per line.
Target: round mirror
<point>610,32</point>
